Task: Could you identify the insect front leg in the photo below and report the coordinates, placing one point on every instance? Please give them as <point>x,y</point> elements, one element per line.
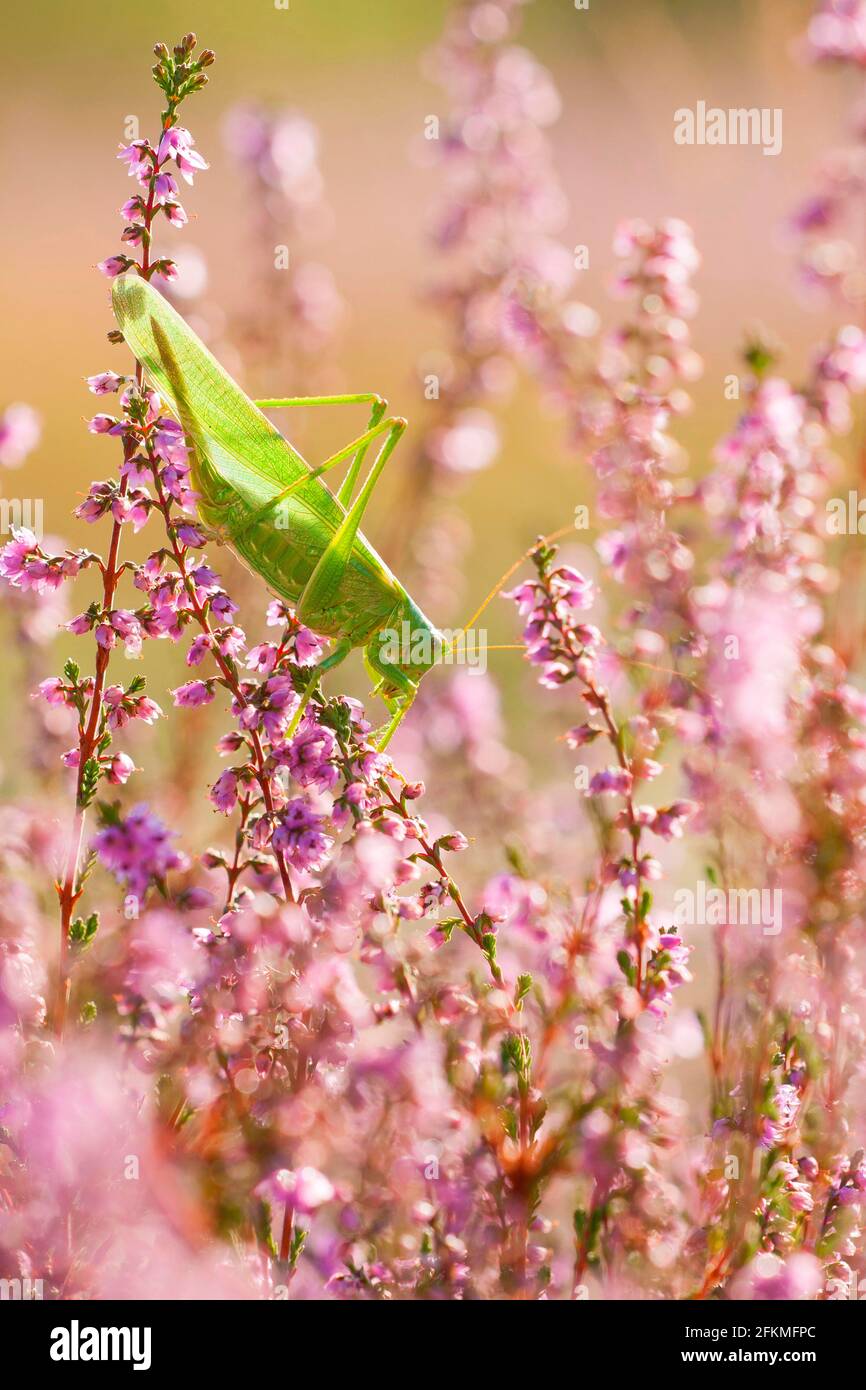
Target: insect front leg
<point>323,585</point>
<point>339,653</point>
<point>401,708</point>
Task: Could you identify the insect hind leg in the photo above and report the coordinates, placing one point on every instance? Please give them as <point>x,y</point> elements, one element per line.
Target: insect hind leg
<point>378,407</point>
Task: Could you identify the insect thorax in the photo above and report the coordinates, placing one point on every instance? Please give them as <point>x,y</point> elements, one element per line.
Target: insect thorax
<point>409,641</point>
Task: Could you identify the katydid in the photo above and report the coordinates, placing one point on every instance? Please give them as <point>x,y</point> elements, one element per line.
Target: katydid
<point>260,497</point>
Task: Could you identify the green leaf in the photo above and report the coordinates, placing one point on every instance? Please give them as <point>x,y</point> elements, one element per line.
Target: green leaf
<point>488,945</point>
<point>298,1239</point>
<point>82,931</point>
<point>87,868</point>
<point>521,989</point>
<point>447,926</point>
<point>89,783</point>
<point>627,966</point>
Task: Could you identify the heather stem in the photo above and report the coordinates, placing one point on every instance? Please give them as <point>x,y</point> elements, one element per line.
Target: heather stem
<point>70,889</point>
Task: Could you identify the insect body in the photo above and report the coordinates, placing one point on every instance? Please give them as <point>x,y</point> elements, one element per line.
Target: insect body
<point>259,496</point>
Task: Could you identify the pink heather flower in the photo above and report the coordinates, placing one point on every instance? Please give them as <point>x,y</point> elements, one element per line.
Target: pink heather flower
<point>646,769</point>
<point>138,156</point>
<point>122,707</point>
<point>308,756</point>
<point>613,779</point>
<point>104,383</point>
<point>166,269</point>
<point>25,566</point>
<point>54,691</point>
<point>669,821</point>
<point>97,502</point>
<point>224,792</point>
<point>168,442</point>
<point>138,850</point>
<point>102,424</point>
<point>176,214</point>
<point>582,735</point>
<point>114,265</point>
<point>275,705</point>
<point>164,187</point>
<point>453,842</point>
<point>194,693</point>
<point>133,209</point>
<point>188,160</point>
<point>20,432</point>
<point>853,701</point>
<point>572,587</point>
<point>231,641</point>
<point>198,649</point>
<point>262,658</point>
<point>786,1103</point>
<point>666,977</point>
<point>527,596</point>
<point>176,138</point>
<point>438,936</point>
<point>304,1190</point>
<point>120,768</point>
<point>277,613</point>
<point>230,742</point>
<point>190,535</point>
<point>128,629</point>
<point>299,834</point>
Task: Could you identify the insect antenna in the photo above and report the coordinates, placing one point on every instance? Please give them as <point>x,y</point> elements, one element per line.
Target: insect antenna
<point>544,540</point>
